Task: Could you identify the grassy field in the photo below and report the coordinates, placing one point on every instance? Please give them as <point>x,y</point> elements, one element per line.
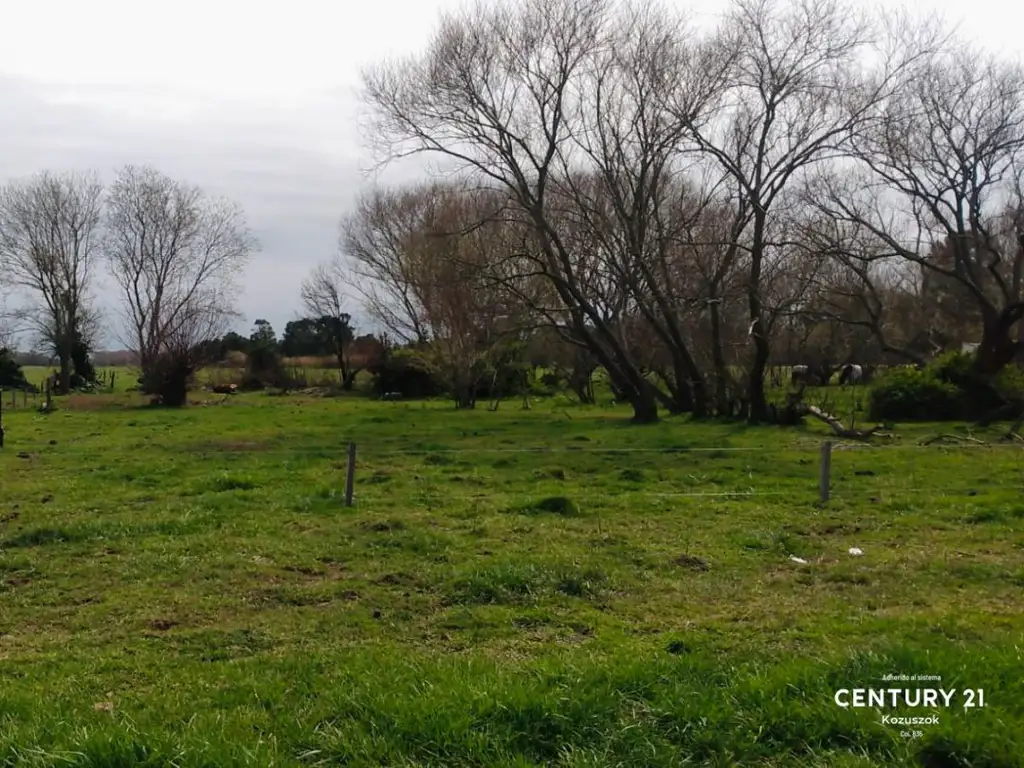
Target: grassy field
<point>511,588</point>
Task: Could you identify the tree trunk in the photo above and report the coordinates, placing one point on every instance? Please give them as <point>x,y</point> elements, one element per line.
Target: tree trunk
<point>722,378</point>
<point>65,355</point>
<point>346,376</point>
<point>681,396</point>
<point>755,389</point>
<point>638,392</point>
<point>581,382</point>
<point>465,397</point>
<point>175,393</point>
<point>173,389</point>
<point>672,403</point>
<point>997,348</point>
<point>645,408</point>
<point>64,379</point>
<point>695,398</point>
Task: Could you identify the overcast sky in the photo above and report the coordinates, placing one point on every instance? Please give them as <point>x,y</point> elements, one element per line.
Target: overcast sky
<point>256,101</point>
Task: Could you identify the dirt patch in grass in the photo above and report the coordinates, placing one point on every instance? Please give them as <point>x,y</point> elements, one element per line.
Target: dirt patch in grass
<point>229,446</point>
<point>383,526</point>
<point>692,562</point>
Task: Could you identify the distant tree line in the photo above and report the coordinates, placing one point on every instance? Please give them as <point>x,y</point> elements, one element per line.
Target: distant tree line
<point>809,183</point>
<point>173,252</point>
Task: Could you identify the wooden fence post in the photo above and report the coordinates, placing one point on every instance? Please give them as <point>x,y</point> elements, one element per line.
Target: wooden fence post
<point>825,476</point>
<point>1,417</point>
<point>350,476</point>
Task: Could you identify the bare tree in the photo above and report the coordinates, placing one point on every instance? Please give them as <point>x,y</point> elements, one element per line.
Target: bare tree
<point>941,188</point>
<point>499,92</point>
<point>860,283</point>
<point>175,253</point>
<point>430,250</point>
<point>49,240</point>
<point>375,240</point>
<point>323,295</point>
<point>794,91</point>
<point>636,204</point>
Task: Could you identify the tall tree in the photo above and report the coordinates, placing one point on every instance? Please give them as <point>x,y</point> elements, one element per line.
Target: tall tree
<point>940,186</point>
<point>304,337</point>
<point>175,253</point>
<point>323,296</point>
<point>433,247</point>
<point>792,90</point>
<point>49,242</point>
<point>500,92</point>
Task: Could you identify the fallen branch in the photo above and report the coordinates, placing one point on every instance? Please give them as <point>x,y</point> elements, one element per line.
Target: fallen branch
<point>841,431</point>
<point>958,438</point>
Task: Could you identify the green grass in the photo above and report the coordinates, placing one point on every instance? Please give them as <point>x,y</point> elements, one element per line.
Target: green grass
<point>510,588</point>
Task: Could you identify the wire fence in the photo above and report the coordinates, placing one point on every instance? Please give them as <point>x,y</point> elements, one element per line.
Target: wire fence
<point>378,470</point>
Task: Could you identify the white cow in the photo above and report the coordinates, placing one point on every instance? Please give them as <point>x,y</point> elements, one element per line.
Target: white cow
<point>851,374</point>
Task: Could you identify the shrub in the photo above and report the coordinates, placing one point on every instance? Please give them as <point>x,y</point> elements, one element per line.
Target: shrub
<point>979,395</point>
<point>552,380</point>
<point>265,368</point>
<point>908,394</point>
<point>402,370</point>
<point>948,388</point>
<point>956,368</point>
<point>11,375</point>
<point>168,378</point>
<point>1010,383</point>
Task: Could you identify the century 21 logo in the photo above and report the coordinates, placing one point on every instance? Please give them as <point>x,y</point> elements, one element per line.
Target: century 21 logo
<point>909,697</point>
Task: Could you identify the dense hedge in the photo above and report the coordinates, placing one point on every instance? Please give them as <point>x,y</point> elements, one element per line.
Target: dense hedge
<point>947,389</point>
<point>908,394</point>
<point>402,370</point>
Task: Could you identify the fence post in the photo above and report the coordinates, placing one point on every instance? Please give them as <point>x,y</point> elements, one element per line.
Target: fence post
<point>825,476</point>
<point>1,417</point>
<point>350,476</point>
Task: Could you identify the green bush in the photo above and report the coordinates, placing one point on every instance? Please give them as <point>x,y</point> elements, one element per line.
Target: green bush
<point>908,394</point>
<point>948,388</point>
<point>403,370</point>
<point>11,375</point>
<point>1010,383</point>
<point>956,368</point>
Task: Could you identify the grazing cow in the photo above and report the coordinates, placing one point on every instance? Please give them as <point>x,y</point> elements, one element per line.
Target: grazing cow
<point>798,374</point>
<point>851,374</point>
